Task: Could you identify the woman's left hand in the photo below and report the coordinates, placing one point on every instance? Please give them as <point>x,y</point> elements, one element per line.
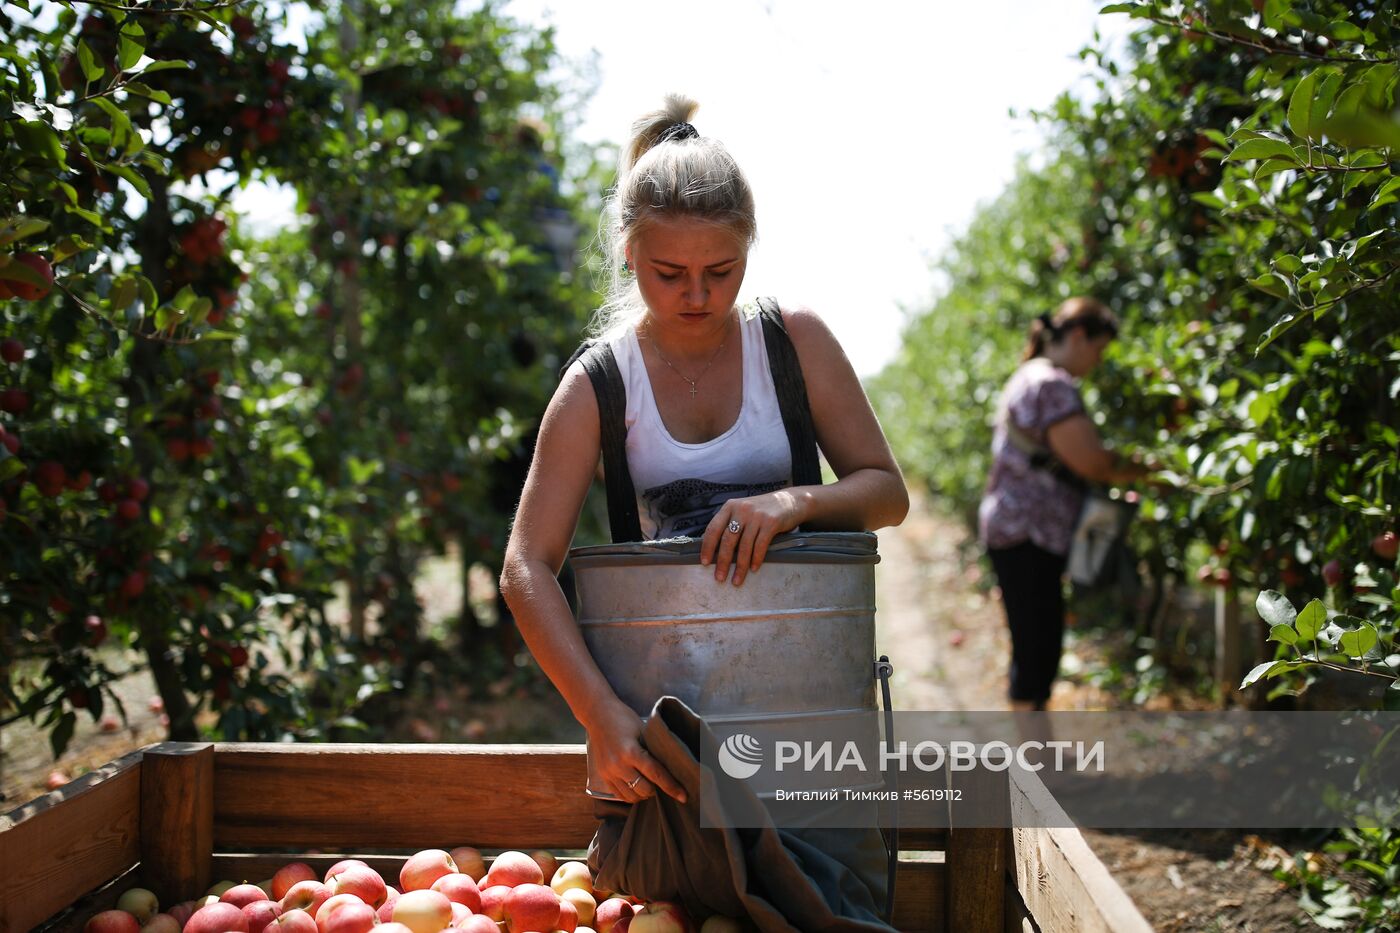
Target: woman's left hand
<point>757,519</point>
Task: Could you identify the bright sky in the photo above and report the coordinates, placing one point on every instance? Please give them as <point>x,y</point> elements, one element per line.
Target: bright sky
<point>869,131</point>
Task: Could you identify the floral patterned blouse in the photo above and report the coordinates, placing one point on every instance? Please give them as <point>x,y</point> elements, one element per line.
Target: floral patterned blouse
<point>1022,502</point>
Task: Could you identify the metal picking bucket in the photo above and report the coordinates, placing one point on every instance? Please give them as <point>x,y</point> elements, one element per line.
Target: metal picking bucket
<point>796,640</point>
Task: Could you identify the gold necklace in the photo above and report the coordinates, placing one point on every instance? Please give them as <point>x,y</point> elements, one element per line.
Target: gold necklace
<point>693,389</point>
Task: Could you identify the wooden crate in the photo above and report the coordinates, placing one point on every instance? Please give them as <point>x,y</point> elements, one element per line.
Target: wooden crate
<point>175,817</point>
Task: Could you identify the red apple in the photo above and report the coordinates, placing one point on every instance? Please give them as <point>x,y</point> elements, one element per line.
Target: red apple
<point>460,889</point>
<point>260,914</point>
<point>386,909</point>
<point>241,895</point>
<point>182,912</point>
<point>219,917</point>
<point>139,902</point>
<point>334,903</point>
<point>11,350</point>
<point>340,866</point>
<point>531,907</point>
<point>423,868</point>
<point>547,862</point>
<point>287,875</point>
<point>460,912</point>
<point>112,921</point>
<point>1386,545</point>
<point>14,401</point>
<point>28,290</point>
<point>50,478</point>
<point>349,918</point>
<point>307,896</point>
<point>513,868</point>
<point>363,882</point>
<point>1332,573</point>
<point>568,916</point>
<point>110,723</point>
<point>292,921</point>
<point>610,912</point>
<point>493,901</point>
<point>423,911</point>
<point>469,862</point>
<point>55,780</point>
<point>661,917</point>
<point>476,923</point>
<point>392,927</point>
<point>162,923</point>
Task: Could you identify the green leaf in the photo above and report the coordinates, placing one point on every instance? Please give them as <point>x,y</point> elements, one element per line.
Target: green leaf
<point>90,216</point>
<point>1300,112</point>
<point>130,175</point>
<point>124,292</point>
<point>166,64</point>
<point>19,228</point>
<point>1268,669</point>
<point>10,465</point>
<point>1387,193</point>
<point>88,62</point>
<point>1311,620</point>
<point>62,733</point>
<point>1284,634</point>
<point>121,123</point>
<point>69,246</point>
<point>1118,8</point>
<point>1275,609</point>
<point>1280,327</point>
<point>1367,127</point>
<point>1263,148</point>
<point>1272,283</point>
<point>1359,640</point>
<point>129,51</point>
<point>1288,264</point>
<point>1274,12</point>
<point>150,93</point>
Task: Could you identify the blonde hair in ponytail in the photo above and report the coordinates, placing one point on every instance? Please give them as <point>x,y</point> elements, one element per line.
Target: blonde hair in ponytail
<point>690,177</point>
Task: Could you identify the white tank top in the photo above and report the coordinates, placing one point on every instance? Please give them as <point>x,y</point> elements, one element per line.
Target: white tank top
<point>681,486</point>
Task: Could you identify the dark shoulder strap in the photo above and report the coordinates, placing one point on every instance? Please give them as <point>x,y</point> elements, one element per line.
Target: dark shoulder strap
<point>792,395</point>
<point>601,366</point>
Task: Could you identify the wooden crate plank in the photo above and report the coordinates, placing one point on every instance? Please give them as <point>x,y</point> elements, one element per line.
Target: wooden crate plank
<point>921,839</point>
<point>177,819</point>
<point>1018,918</point>
<point>76,916</point>
<point>1064,886</point>
<point>920,896</point>
<point>400,796</point>
<point>977,856</point>
<point>254,867</point>
<point>57,848</point>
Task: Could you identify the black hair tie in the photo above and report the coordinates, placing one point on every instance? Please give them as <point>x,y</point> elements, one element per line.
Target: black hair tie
<point>1049,325</point>
<point>677,131</point>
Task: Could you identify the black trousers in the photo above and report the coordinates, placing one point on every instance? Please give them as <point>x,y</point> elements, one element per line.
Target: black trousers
<point>1033,596</point>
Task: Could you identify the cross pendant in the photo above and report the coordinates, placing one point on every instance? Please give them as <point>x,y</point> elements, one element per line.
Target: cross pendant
<point>692,390</point>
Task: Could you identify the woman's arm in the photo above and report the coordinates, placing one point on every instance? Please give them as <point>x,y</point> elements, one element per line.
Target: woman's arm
<point>566,456</point>
<point>1075,442</point>
<point>869,492</point>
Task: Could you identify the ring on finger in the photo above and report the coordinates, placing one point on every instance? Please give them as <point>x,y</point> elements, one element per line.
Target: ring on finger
<point>633,783</point>
<point>734,527</point>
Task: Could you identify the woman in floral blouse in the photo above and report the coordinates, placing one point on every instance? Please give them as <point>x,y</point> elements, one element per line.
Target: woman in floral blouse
<point>1044,452</point>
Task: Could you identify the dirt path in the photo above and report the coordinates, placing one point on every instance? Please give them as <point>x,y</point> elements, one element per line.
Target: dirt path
<point>949,645</point>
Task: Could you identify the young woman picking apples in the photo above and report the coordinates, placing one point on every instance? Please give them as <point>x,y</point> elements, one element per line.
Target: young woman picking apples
<point>705,443</point>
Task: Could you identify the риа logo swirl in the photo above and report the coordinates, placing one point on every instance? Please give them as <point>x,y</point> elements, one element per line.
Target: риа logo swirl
<point>741,756</point>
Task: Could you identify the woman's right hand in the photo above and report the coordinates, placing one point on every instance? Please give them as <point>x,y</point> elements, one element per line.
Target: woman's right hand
<point>619,760</point>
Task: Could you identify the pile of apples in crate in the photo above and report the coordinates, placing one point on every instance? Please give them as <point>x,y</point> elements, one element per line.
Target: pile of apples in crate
<point>437,891</point>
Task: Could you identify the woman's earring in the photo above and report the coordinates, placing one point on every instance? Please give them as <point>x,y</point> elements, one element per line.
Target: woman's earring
<point>626,266</point>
